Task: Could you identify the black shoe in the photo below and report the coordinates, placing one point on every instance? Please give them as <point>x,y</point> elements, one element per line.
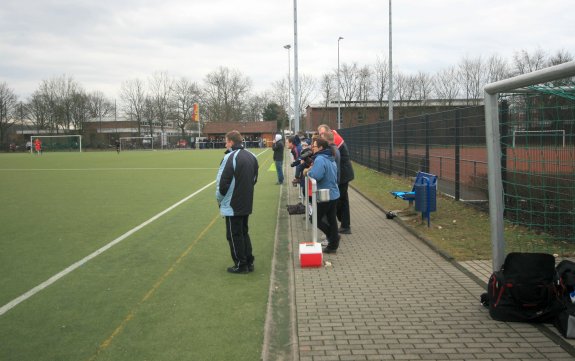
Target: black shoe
<point>343,230</point>
<point>329,250</point>
<point>251,268</point>
<point>241,269</point>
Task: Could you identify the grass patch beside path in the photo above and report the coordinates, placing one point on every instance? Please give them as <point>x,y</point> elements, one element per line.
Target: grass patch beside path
<point>460,230</point>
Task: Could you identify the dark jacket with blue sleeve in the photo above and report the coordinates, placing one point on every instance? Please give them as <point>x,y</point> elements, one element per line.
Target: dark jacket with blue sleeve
<point>237,176</point>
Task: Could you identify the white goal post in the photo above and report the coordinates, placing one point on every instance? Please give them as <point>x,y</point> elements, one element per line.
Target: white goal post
<point>48,146</point>
<point>541,132</point>
<point>491,93</point>
<point>124,141</point>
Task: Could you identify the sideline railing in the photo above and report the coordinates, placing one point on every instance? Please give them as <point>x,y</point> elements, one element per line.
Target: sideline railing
<point>313,182</point>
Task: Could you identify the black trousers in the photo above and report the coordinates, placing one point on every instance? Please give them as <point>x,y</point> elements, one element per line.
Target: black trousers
<point>239,240</point>
<point>343,206</point>
<point>327,222</point>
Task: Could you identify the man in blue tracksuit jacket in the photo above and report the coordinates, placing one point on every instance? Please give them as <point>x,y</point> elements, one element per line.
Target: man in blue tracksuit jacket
<point>237,176</point>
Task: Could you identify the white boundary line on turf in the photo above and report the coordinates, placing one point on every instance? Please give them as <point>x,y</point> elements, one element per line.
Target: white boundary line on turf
<point>7,307</point>
<point>15,302</point>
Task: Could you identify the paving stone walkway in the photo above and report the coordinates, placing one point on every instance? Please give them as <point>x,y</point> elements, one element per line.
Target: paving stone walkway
<point>389,296</point>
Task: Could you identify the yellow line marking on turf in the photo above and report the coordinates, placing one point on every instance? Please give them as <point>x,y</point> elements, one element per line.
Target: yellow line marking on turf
<point>104,345</point>
<point>7,307</point>
<point>15,302</point>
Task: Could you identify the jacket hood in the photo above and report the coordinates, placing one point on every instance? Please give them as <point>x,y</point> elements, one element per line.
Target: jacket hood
<point>325,153</point>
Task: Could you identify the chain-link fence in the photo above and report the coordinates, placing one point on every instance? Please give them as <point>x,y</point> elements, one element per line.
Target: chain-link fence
<point>449,144</point>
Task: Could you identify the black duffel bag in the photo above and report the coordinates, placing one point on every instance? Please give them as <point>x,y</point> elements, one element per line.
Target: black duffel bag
<point>525,289</point>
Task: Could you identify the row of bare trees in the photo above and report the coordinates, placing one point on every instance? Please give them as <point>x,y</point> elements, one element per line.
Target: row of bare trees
<point>60,104</point>
<point>464,80</point>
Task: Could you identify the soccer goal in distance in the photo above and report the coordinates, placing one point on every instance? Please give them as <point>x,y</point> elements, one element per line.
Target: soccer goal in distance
<point>538,138</point>
<point>57,143</point>
<point>136,143</point>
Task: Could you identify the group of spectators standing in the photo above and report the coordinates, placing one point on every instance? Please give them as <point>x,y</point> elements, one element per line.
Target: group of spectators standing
<point>324,157</point>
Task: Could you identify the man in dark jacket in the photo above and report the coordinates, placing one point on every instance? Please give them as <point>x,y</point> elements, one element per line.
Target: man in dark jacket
<point>278,148</point>
<point>237,176</point>
<point>346,175</point>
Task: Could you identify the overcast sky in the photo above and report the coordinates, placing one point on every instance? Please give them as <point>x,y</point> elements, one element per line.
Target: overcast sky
<point>101,43</point>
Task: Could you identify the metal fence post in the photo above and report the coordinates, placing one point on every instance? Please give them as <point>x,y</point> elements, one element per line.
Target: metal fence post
<point>426,166</point>
<point>314,210</point>
<point>405,157</point>
<point>457,155</point>
<point>503,136</point>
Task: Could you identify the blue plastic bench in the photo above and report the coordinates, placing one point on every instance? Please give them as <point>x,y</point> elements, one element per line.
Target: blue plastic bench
<point>410,195</point>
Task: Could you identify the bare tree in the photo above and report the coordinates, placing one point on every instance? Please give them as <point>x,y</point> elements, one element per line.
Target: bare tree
<point>8,101</point>
<point>38,110</point>
<point>381,71</point>
<point>525,62</point>
<point>471,76</point>
<point>149,115</point>
<point>64,89</point>
<point>99,106</point>
<point>279,94</point>
<point>349,83</point>
<point>57,98</point>
<point>160,89</point>
<point>405,86</point>
<point>423,86</point>
<point>185,94</point>
<point>328,92</point>
<point>364,87</point>
<point>349,75</point>
<point>497,69</point>
<point>81,110</point>
<point>328,85</point>
<point>133,99</point>
<point>255,107</point>
<point>446,85</point>
<point>307,85</point>
<point>560,57</point>
<point>225,94</point>
<point>365,81</point>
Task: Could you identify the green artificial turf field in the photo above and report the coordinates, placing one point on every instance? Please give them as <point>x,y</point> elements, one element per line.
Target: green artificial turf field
<point>161,292</point>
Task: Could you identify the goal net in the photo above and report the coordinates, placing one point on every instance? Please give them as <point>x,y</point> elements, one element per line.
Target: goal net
<point>136,143</point>
<point>531,149</point>
<point>57,143</point>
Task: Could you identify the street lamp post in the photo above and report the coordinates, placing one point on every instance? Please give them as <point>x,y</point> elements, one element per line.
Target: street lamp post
<point>295,71</point>
<point>338,87</point>
<point>288,47</point>
<point>390,96</point>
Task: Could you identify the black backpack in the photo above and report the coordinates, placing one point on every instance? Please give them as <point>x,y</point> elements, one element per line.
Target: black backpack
<point>566,273</point>
<point>525,289</point>
<point>565,321</point>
